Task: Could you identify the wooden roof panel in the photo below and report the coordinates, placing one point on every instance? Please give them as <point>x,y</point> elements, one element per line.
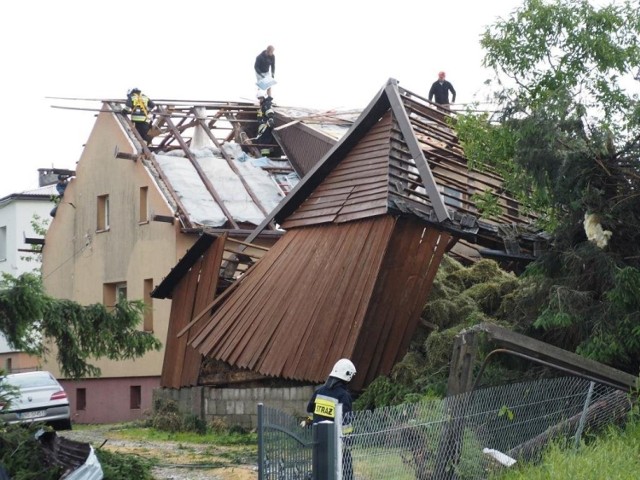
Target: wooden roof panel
<point>275,323</point>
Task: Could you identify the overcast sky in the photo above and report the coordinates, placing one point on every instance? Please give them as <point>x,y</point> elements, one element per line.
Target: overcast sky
<point>329,54</point>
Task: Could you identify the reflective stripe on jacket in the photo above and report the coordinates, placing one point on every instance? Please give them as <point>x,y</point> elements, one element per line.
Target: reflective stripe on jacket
<point>140,108</point>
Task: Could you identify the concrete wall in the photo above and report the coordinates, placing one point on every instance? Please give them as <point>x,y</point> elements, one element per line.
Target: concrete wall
<point>237,406</point>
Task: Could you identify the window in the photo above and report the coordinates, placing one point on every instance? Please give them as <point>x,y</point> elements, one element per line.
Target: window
<point>81,399</point>
<point>135,397</point>
<point>103,213</point>
<point>144,208</point>
<point>148,305</point>
<point>3,243</point>
<point>112,292</point>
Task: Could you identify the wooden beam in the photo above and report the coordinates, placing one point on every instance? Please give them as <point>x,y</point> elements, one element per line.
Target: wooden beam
<point>557,356</point>
<point>416,152</point>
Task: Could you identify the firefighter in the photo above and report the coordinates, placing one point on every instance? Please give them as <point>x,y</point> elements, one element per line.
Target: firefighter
<point>322,406</point>
<point>139,105</point>
<point>265,117</point>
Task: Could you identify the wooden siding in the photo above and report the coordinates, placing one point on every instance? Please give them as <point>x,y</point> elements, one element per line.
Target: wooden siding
<point>356,188</point>
<point>410,265</point>
<point>303,305</point>
<point>448,164</point>
<point>193,292</point>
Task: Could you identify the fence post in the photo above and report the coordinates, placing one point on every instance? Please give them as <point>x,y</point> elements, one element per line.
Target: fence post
<point>325,452</point>
<point>583,417</point>
<point>261,465</point>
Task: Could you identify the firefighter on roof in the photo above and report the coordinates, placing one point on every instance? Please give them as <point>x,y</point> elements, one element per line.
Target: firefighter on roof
<point>139,105</point>
<point>267,122</point>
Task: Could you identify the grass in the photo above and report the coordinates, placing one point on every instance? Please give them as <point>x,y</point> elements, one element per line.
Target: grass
<point>132,431</point>
<point>225,439</point>
<point>614,455</point>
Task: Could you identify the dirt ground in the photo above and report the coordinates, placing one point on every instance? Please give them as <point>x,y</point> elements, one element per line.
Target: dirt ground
<point>179,461</point>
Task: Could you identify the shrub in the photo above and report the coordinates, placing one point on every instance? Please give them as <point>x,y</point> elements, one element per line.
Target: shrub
<point>117,466</point>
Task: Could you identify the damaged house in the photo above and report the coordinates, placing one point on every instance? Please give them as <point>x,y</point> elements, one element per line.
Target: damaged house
<point>365,231</point>
<point>132,211</point>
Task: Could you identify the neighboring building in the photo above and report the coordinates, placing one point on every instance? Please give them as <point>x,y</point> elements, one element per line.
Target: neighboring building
<point>133,210</point>
<point>17,212</point>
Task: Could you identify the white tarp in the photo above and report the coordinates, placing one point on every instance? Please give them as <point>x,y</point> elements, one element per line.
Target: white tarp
<point>198,201</point>
<point>190,189</point>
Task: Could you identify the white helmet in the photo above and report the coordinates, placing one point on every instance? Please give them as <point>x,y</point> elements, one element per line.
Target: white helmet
<point>344,369</point>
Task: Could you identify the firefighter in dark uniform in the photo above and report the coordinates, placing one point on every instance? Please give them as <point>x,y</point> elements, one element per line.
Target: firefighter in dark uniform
<point>139,105</point>
<point>265,128</point>
<point>322,406</point>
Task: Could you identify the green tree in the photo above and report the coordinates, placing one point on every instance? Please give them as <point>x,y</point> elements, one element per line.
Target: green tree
<point>567,142</point>
<point>28,316</point>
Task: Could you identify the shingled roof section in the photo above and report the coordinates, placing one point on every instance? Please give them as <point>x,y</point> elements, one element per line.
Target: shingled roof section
<point>365,232</point>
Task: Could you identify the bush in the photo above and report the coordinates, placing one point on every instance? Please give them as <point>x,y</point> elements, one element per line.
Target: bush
<point>118,466</point>
<point>22,455</point>
<point>219,426</point>
<point>167,417</point>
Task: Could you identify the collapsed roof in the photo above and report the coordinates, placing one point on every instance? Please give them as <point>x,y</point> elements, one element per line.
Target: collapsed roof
<point>366,229</point>
<point>205,160</point>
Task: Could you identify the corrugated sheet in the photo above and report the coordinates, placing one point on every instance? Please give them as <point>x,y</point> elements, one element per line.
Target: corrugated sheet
<point>304,304</point>
<point>325,292</point>
<point>409,267</point>
<point>195,290</point>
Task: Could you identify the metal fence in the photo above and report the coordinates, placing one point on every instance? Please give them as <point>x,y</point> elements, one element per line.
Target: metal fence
<point>463,437</point>
<point>284,448</point>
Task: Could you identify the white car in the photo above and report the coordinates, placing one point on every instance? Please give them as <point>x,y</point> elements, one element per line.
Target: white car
<point>34,397</point>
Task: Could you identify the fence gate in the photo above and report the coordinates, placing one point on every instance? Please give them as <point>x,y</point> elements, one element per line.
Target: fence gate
<point>284,448</point>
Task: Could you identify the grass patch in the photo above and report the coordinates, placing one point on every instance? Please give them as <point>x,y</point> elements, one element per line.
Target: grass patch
<point>150,433</point>
<point>613,455</point>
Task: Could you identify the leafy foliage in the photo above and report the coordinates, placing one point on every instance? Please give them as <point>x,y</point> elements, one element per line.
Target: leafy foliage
<point>28,315</point>
<point>117,466</point>
<point>461,297</point>
<point>22,456</point>
<point>567,144</point>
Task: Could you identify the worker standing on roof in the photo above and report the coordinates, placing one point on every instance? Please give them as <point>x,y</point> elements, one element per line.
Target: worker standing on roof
<point>139,105</point>
<point>440,90</point>
<point>265,68</point>
<point>265,129</point>
<point>322,406</point>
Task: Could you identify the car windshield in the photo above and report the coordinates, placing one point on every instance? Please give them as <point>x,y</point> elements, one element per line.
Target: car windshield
<point>29,381</point>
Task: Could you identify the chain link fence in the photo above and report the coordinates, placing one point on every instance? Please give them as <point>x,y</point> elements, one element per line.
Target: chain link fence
<point>462,437</point>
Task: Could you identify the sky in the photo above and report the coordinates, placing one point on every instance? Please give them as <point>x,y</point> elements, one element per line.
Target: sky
<point>329,55</point>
